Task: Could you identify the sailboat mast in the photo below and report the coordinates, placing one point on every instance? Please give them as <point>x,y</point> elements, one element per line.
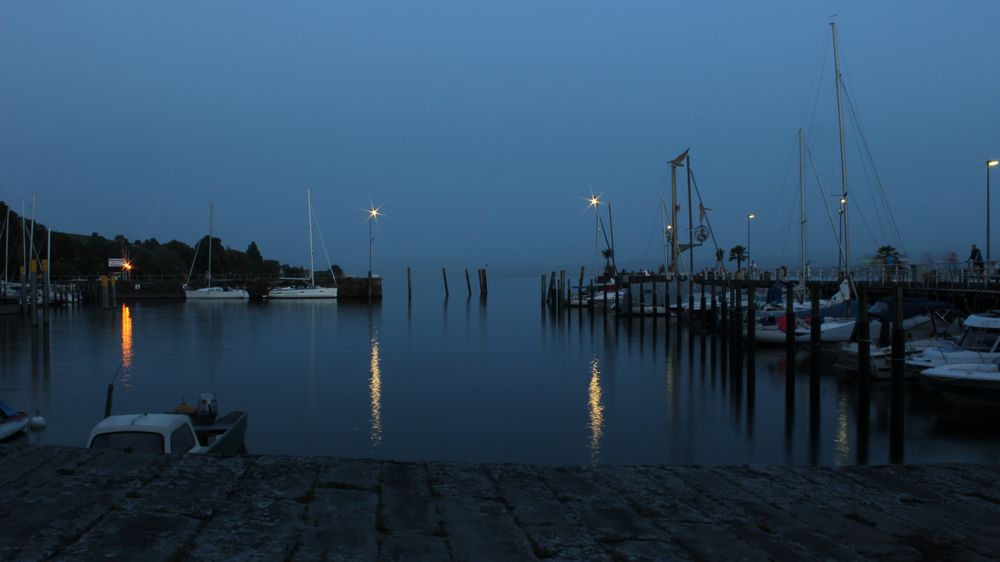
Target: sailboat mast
<point>6,247</point>
<point>845,232</point>
<point>663,229</point>
<point>210,213</point>
<point>312,265</point>
<point>802,201</point>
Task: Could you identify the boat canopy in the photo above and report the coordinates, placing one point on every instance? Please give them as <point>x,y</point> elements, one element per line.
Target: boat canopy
<point>988,320</point>
<point>885,309</point>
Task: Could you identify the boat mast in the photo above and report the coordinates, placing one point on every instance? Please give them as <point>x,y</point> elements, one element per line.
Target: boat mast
<point>663,228</point>
<point>210,244</point>
<point>845,231</point>
<point>802,202</point>
<point>312,265</point>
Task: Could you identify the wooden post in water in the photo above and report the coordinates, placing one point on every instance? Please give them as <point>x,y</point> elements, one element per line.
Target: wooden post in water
<point>107,400</point>
<point>789,344</point>
<point>409,284</point>
<point>751,338</point>
<point>444,277</point>
<point>543,289</point>
<point>723,323</point>
<point>562,288</point>
<point>642,299</point>
<point>590,297</point>
<point>483,285</point>
<point>815,323</point>
<point>33,284</point>
<point>864,381</point>
<point>46,302</point>
<point>737,367</point>
<point>550,294</point>
<point>579,288</point>
<point>468,282</point>
<point>24,294</point>
<point>714,317</point>
<point>896,402</point>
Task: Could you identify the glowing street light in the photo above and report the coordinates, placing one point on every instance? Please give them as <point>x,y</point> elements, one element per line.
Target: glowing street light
<point>750,217</point>
<point>595,202</point>
<point>989,164</point>
<point>373,215</point>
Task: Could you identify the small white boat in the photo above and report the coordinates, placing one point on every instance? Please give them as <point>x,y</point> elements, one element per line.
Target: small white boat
<point>12,421</point>
<point>979,343</point>
<point>306,288</point>
<point>974,385</point>
<point>189,430</point>
<point>210,292</point>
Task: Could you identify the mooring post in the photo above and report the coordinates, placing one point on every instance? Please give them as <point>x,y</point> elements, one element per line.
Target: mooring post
<point>724,317</point>
<point>24,294</point>
<point>642,299</point>
<point>562,287</point>
<point>590,297</point>
<point>579,288</point>
<point>468,282</point>
<point>550,294</point>
<point>896,402</point>
<point>107,399</point>
<point>703,312</point>
<point>789,343</point>
<point>864,380</point>
<point>46,301</point>
<point>543,289</point>
<point>484,286</point>
<point>715,311</point>
<point>33,284</point>
<point>737,366</point>
<point>409,284</point>
<point>444,277</point>
<point>751,337</point>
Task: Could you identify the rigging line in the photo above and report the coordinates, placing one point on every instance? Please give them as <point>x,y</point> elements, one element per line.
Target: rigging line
<point>826,204</point>
<point>878,177</point>
<point>708,221</point>
<point>322,242</point>
<point>819,82</point>
<point>871,192</point>
<point>194,260</point>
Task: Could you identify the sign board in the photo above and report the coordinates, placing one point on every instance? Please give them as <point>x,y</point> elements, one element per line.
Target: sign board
<point>116,262</point>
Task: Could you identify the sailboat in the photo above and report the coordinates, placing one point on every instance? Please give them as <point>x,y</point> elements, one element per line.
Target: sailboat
<point>310,291</point>
<point>210,292</point>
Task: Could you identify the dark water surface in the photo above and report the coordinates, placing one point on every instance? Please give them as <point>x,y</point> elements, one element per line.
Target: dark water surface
<point>496,380</point>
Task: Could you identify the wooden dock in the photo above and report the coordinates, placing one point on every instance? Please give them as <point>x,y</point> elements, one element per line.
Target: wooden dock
<point>75,504</point>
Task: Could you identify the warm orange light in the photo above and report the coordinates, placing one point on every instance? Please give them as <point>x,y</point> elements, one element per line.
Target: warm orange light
<point>127,266</point>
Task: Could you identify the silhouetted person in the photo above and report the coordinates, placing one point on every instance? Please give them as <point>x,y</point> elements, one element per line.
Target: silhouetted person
<point>976,257</point>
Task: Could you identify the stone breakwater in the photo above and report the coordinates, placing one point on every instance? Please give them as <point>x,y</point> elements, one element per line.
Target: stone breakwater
<point>61,503</point>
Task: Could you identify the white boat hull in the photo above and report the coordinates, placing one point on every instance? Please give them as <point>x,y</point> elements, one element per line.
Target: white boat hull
<point>216,293</point>
<point>303,293</point>
<point>973,385</point>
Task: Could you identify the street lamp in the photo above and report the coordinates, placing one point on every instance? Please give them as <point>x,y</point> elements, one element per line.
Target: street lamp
<point>750,217</point>
<point>595,202</point>
<point>989,164</point>
<point>372,217</point>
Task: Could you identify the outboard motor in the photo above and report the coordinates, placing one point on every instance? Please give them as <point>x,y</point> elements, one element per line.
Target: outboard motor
<point>208,408</point>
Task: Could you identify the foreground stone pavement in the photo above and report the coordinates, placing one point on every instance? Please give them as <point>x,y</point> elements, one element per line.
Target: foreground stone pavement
<point>75,504</point>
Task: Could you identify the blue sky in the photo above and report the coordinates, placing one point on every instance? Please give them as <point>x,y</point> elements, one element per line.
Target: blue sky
<point>481,127</point>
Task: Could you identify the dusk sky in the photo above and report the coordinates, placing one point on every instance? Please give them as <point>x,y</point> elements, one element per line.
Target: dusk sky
<point>481,128</point>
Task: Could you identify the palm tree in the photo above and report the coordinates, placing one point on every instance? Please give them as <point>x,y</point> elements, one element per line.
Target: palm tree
<point>887,255</point>
<point>738,254</point>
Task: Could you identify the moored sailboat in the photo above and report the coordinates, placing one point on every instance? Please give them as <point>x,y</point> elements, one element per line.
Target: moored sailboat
<point>305,288</point>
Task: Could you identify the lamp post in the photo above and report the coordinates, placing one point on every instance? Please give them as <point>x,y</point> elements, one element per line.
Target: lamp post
<point>989,164</point>
<point>750,217</point>
<point>595,202</point>
<point>372,216</point>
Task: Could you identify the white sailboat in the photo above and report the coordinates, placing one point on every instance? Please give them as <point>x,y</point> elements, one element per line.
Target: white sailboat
<point>298,290</point>
<point>210,292</point>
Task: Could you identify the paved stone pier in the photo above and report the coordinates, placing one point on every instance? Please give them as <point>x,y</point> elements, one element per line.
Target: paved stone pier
<point>75,504</point>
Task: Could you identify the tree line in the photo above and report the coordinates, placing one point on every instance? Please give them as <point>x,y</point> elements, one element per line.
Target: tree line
<point>81,255</point>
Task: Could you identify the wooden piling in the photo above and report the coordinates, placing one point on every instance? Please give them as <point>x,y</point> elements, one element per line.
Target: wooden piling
<point>562,288</point>
<point>33,284</point>
<point>714,317</point>
<point>543,289</point>
<point>896,401</point>
<point>468,282</point>
<point>751,337</point>
<point>444,277</point>
<point>409,284</point>
<point>550,294</point>
<point>579,288</point>
<point>864,382</point>
<point>484,285</point>
<point>642,299</point>
<point>789,343</point>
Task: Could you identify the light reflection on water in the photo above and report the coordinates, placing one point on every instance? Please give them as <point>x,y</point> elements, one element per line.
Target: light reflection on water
<point>596,409</point>
<point>499,381</point>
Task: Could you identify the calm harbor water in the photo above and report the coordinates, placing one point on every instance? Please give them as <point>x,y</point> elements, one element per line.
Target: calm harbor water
<point>492,380</point>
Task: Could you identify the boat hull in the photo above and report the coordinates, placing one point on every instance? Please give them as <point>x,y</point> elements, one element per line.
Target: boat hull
<point>221,294</point>
<point>13,425</point>
<point>303,293</point>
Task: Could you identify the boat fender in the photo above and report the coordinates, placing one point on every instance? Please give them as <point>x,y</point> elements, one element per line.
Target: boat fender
<point>37,422</point>
<point>184,408</point>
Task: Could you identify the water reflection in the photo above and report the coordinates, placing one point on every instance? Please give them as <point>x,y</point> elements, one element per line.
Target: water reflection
<point>126,377</point>
<point>596,409</point>
<point>375,389</point>
<point>841,443</point>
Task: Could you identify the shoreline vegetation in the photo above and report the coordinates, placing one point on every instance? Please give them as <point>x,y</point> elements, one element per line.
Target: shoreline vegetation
<point>82,255</point>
